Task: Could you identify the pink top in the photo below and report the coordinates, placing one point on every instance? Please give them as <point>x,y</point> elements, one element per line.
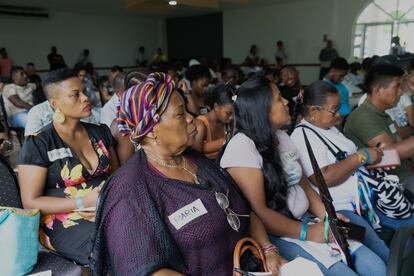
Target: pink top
<point>5,66</point>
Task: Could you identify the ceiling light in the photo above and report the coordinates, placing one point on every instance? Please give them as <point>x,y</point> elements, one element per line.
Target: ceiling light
<point>172,3</point>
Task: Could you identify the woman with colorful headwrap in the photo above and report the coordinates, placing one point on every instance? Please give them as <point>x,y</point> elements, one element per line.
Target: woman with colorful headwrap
<point>169,210</point>
<point>124,147</point>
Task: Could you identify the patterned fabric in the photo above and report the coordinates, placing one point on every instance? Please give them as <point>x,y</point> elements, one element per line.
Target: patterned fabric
<point>142,105</point>
<point>68,233</point>
<point>389,194</point>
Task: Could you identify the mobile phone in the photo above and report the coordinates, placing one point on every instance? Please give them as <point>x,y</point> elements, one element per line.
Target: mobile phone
<point>355,231</point>
<point>389,159</point>
<point>1,141</point>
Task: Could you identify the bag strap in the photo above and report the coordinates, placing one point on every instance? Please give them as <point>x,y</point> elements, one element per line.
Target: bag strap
<point>242,246</point>
<point>335,153</point>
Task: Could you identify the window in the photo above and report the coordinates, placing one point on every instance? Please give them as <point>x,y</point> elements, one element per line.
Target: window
<point>379,22</point>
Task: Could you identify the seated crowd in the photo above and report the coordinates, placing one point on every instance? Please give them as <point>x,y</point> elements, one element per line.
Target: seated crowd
<point>187,161</point>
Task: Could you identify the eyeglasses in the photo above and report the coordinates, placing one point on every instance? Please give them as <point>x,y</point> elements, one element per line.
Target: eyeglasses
<point>333,112</point>
<point>232,217</point>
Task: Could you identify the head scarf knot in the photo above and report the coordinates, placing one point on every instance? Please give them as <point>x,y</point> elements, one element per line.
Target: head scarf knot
<point>142,105</point>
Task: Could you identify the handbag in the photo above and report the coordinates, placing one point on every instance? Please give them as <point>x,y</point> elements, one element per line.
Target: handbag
<point>390,197</point>
<point>19,243</point>
<point>386,191</point>
<point>248,256</point>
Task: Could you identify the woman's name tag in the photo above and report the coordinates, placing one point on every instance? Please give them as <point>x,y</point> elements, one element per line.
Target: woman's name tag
<point>187,214</point>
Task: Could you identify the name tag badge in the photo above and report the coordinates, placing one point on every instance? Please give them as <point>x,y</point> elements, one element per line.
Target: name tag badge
<point>392,128</point>
<point>59,154</point>
<point>187,214</point>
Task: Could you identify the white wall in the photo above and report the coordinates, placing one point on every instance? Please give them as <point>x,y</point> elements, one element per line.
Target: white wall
<point>301,24</point>
<point>110,39</point>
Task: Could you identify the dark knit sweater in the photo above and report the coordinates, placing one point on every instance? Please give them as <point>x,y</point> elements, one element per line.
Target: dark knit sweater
<point>135,236</point>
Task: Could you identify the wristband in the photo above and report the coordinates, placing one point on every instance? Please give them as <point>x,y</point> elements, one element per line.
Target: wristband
<point>326,232</point>
<point>367,154</point>
<point>269,247</point>
<point>79,203</point>
<point>303,232</point>
<point>362,159</point>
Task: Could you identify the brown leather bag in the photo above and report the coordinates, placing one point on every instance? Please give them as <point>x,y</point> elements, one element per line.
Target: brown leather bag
<point>242,246</point>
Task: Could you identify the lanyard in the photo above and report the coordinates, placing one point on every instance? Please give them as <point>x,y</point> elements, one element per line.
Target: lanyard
<point>335,249</point>
<point>364,198</point>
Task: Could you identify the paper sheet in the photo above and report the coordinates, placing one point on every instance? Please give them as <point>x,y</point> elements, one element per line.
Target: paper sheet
<point>300,266</point>
<point>44,273</point>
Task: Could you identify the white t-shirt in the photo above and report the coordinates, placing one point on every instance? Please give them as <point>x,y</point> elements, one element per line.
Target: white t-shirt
<point>23,92</point>
<point>241,152</point>
<point>344,194</point>
<point>109,111</point>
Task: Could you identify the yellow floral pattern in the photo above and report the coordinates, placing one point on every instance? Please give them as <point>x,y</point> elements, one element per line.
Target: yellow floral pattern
<point>76,182</point>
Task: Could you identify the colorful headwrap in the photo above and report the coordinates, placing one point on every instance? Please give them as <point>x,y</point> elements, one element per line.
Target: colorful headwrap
<point>142,105</point>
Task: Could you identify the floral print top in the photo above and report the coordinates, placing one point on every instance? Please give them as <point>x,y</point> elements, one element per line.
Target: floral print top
<point>66,175</point>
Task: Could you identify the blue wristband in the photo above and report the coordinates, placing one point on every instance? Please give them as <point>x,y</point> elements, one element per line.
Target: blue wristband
<point>368,156</point>
<point>79,204</point>
<point>303,232</point>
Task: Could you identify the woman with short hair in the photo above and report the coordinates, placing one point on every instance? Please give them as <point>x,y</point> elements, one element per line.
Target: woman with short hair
<point>62,166</point>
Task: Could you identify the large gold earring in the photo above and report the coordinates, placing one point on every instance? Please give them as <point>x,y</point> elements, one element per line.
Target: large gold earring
<point>58,116</point>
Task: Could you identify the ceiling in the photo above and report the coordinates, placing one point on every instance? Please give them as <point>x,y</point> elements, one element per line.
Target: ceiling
<point>136,7</point>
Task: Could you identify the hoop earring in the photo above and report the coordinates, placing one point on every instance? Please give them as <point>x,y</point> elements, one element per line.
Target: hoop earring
<point>58,116</point>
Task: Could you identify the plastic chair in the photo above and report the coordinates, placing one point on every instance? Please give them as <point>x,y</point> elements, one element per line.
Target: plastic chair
<point>401,259</point>
<point>10,197</point>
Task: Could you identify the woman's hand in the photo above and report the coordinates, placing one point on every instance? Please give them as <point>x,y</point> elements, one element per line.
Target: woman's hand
<point>342,217</point>
<point>316,233</point>
<point>274,261</point>
<point>92,197</point>
<point>375,154</point>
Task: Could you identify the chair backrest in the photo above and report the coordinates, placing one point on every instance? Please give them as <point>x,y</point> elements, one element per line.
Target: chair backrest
<point>9,186</point>
<point>3,110</point>
<point>401,259</point>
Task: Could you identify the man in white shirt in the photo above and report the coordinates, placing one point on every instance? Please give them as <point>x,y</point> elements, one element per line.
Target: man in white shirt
<point>18,98</point>
<point>42,114</point>
<point>110,110</point>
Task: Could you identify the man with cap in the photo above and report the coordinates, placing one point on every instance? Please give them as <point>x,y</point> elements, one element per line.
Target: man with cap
<point>370,126</point>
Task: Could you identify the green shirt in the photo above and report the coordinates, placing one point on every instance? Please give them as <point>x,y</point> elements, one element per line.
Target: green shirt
<point>367,122</point>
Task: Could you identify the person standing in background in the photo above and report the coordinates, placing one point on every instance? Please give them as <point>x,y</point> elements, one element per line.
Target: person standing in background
<point>6,64</point>
<point>84,57</point>
<point>280,56</point>
<point>33,77</point>
<point>326,56</point>
<point>253,54</point>
<point>142,59</point>
<point>55,60</point>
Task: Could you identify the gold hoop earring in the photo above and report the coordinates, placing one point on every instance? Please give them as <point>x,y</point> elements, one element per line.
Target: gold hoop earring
<point>58,116</point>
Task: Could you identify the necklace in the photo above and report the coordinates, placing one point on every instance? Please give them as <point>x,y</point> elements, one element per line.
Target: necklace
<point>183,167</point>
